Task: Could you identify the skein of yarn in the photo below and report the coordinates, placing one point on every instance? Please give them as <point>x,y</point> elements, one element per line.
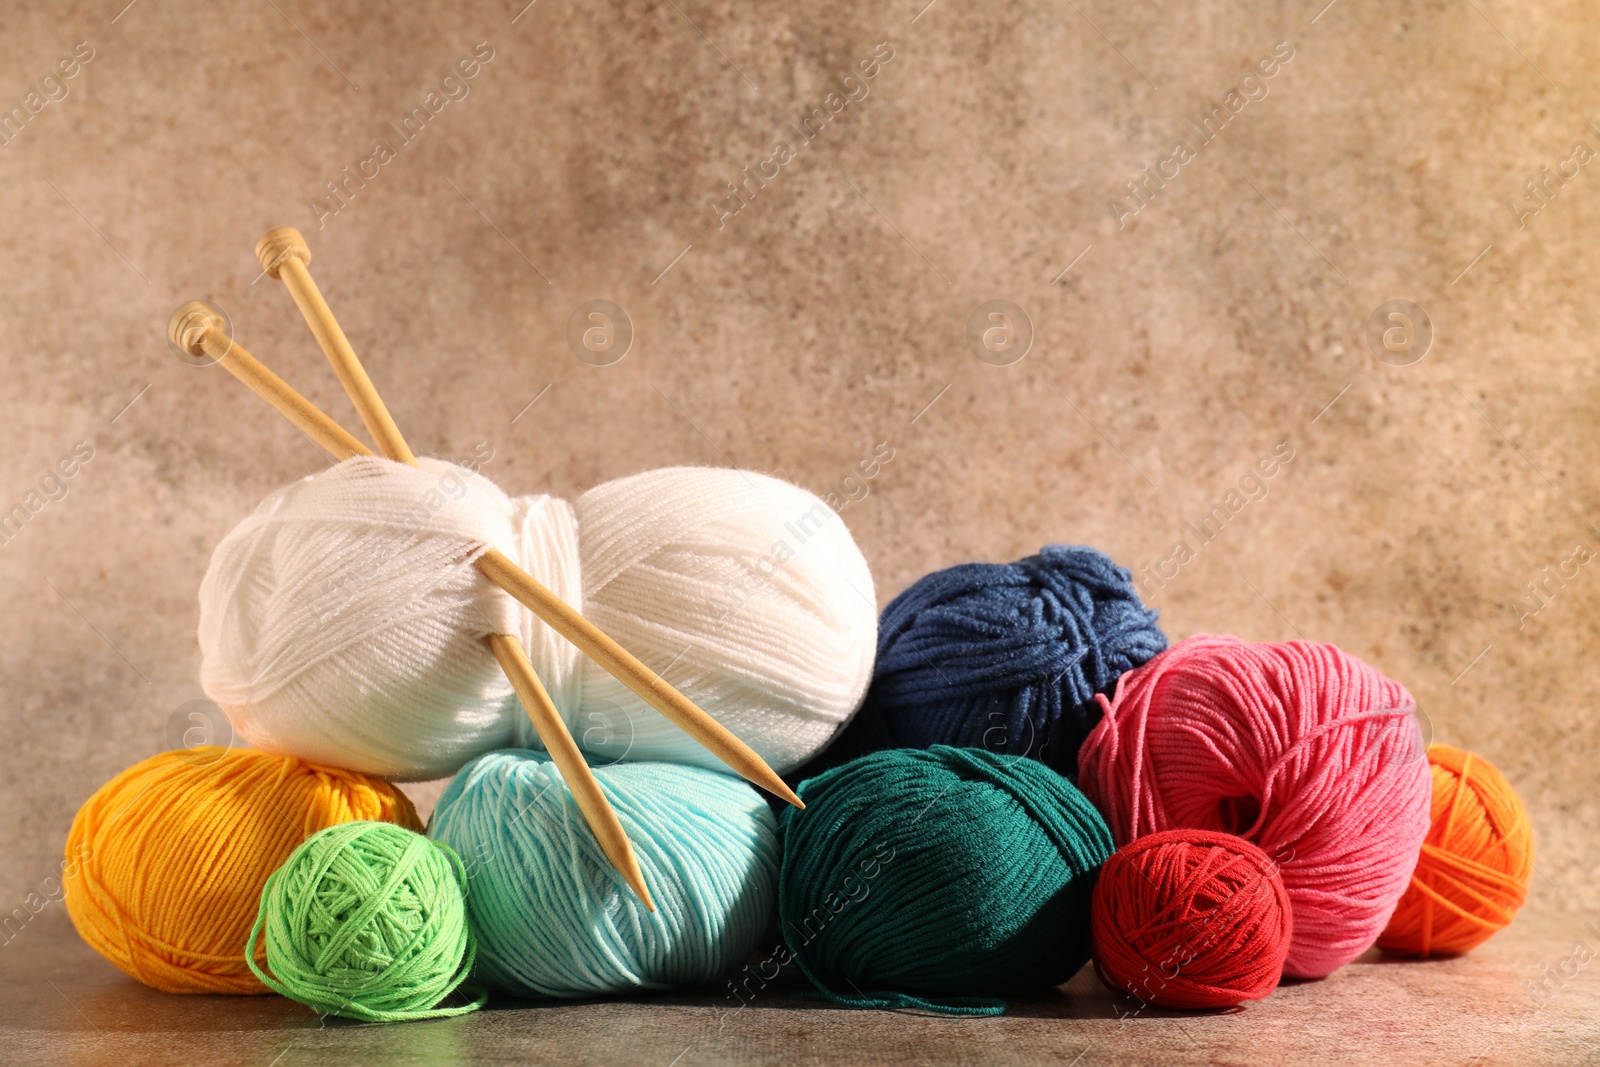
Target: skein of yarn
<point>366,920</point>
<point>1191,919</point>
<point>343,620</point>
<point>939,879</point>
<point>551,915</point>
<point>171,856</point>
<point>1475,865</point>
<point>1006,657</point>
<point>1304,750</point>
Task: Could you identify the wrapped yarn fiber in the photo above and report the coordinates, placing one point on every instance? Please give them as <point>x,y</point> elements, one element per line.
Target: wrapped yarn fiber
<point>343,620</point>
<point>172,855</point>
<point>939,879</point>
<point>554,919</point>
<point>1191,919</point>
<point>367,920</point>
<point>1475,865</point>
<point>1304,750</point>
<point>1003,656</point>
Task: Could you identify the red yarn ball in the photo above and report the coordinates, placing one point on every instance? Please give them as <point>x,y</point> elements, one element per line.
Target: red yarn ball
<point>1191,919</point>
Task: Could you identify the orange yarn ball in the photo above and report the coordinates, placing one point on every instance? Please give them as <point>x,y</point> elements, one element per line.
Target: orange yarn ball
<point>170,857</point>
<point>1475,865</point>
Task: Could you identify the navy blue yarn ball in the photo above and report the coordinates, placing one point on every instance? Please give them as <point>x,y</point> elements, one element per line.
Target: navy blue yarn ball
<point>1003,656</point>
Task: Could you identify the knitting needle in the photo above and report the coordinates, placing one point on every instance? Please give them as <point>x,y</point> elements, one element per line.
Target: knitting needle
<point>196,328</point>
<point>284,255</point>
<point>547,721</point>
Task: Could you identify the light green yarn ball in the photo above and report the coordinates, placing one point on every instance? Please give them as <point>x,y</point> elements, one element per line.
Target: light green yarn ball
<point>554,919</point>
<point>367,920</point>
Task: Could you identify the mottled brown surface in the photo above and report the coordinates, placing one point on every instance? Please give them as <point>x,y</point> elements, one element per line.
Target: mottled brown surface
<point>826,317</point>
<point>60,1003</point>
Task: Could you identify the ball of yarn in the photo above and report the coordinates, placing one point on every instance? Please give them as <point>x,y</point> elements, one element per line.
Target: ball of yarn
<point>1304,750</point>
<point>1006,657</point>
<point>171,856</point>
<point>1475,865</point>
<point>366,920</point>
<point>343,620</point>
<point>553,918</point>
<point>939,878</point>
<point>1191,919</point>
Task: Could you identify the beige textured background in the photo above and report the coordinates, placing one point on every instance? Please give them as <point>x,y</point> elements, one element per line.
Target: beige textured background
<point>829,314</point>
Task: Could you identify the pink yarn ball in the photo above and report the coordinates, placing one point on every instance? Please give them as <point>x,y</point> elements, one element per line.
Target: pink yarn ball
<point>1300,748</point>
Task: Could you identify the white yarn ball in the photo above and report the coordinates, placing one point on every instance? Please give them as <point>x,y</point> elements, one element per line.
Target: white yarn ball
<point>343,621</point>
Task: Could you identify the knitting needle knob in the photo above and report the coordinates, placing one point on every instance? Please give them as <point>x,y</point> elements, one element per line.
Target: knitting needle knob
<point>192,325</point>
<point>280,244</point>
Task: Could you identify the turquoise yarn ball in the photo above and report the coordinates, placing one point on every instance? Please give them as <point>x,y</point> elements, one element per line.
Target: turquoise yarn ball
<point>552,917</point>
<point>939,879</point>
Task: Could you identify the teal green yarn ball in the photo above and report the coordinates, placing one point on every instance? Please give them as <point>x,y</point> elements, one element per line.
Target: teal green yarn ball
<point>366,920</point>
<point>939,878</point>
<point>551,915</point>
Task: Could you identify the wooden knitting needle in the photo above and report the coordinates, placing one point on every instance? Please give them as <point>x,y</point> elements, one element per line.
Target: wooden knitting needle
<point>197,328</point>
<point>547,721</point>
<point>284,255</point>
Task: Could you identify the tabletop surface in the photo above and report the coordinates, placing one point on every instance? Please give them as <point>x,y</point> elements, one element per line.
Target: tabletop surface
<point>1530,996</point>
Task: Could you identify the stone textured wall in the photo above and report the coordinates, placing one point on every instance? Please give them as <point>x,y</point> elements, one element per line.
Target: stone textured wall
<point>1178,336</point>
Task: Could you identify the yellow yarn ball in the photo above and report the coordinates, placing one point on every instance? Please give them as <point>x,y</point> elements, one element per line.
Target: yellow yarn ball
<point>167,861</point>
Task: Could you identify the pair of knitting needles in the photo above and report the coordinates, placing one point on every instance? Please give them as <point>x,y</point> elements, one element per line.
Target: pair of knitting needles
<point>198,329</point>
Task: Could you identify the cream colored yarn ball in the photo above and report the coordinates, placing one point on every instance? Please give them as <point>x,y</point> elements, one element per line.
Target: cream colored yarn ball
<point>343,621</point>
